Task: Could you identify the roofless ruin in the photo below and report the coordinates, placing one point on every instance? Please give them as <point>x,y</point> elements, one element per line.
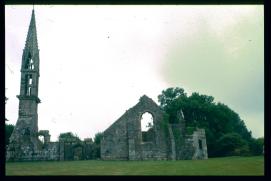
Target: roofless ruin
<point>123,140</point>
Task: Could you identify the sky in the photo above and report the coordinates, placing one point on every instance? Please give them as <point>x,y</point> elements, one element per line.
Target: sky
<point>96,61</point>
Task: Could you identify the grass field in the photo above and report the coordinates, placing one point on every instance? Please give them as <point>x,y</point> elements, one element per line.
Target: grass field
<point>212,166</point>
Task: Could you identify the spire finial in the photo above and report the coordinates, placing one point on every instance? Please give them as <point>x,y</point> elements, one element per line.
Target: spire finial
<point>33,6</point>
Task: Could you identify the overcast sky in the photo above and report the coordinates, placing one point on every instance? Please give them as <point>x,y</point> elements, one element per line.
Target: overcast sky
<point>97,61</point>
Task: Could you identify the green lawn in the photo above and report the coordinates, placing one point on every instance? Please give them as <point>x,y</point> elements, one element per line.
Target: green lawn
<point>212,166</point>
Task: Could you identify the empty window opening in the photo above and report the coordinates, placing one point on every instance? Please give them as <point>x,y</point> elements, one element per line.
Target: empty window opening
<point>29,79</point>
<point>147,127</point>
<point>200,144</point>
<point>146,121</point>
<point>31,64</point>
<point>28,91</point>
<point>28,83</point>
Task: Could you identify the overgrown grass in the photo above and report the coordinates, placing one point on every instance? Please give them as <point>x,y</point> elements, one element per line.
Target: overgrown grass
<point>212,166</point>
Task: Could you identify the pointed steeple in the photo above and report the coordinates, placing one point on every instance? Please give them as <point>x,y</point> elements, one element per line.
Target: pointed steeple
<point>24,140</point>
<point>31,40</point>
<point>30,63</point>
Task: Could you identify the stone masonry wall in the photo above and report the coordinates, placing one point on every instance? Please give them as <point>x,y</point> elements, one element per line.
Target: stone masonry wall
<point>192,148</point>
<point>114,144</point>
<point>199,143</point>
<point>123,139</point>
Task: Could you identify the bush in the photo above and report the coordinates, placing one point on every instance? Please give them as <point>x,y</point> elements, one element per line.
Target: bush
<point>68,135</point>
<point>256,146</point>
<point>232,144</point>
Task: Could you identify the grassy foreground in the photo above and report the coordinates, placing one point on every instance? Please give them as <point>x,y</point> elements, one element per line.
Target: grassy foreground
<point>212,166</point>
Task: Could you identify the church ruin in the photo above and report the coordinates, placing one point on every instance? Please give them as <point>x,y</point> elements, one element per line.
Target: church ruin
<point>123,140</point>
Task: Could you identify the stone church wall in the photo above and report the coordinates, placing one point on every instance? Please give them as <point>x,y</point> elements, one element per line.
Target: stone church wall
<point>114,142</point>
<point>123,139</point>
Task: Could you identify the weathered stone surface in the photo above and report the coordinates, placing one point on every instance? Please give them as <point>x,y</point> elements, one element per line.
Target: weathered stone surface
<point>199,144</point>
<point>172,144</point>
<point>123,139</point>
<point>24,142</point>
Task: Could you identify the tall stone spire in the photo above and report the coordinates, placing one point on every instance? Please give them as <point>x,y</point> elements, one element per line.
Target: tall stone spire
<point>30,63</point>
<point>24,139</point>
<point>31,39</point>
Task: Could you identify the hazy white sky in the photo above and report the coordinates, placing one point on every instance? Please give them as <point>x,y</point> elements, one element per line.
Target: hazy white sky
<point>97,61</point>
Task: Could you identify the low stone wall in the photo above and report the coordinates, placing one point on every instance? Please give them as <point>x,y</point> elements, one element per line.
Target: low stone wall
<point>51,152</point>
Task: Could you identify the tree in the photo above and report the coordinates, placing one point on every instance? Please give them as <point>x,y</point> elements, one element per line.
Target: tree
<point>201,111</point>
<point>256,146</point>
<point>97,138</point>
<point>8,131</point>
<point>232,144</point>
<point>68,135</point>
<point>169,101</point>
<point>170,95</point>
<point>97,145</point>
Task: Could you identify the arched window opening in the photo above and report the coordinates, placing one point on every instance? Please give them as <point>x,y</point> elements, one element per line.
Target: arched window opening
<point>28,91</point>
<point>28,83</point>
<point>147,127</point>
<point>31,66</point>
<point>29,79</point>
<point>146,121</point>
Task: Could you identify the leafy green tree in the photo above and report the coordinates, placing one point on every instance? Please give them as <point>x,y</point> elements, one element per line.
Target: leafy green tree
<point>68,135</point>
<point>256,146</point>
<point>261,141</point>
<point>97,138</point>
<point>8,131</point>
<point>232,144</point>
<point>97,145</point>
<point>170,95</point>
<point>201,111</point>
<point>169,101</point>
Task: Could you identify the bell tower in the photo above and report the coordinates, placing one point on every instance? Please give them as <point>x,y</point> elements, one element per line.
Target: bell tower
<point>24,139</point>
<point>28,98</point>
